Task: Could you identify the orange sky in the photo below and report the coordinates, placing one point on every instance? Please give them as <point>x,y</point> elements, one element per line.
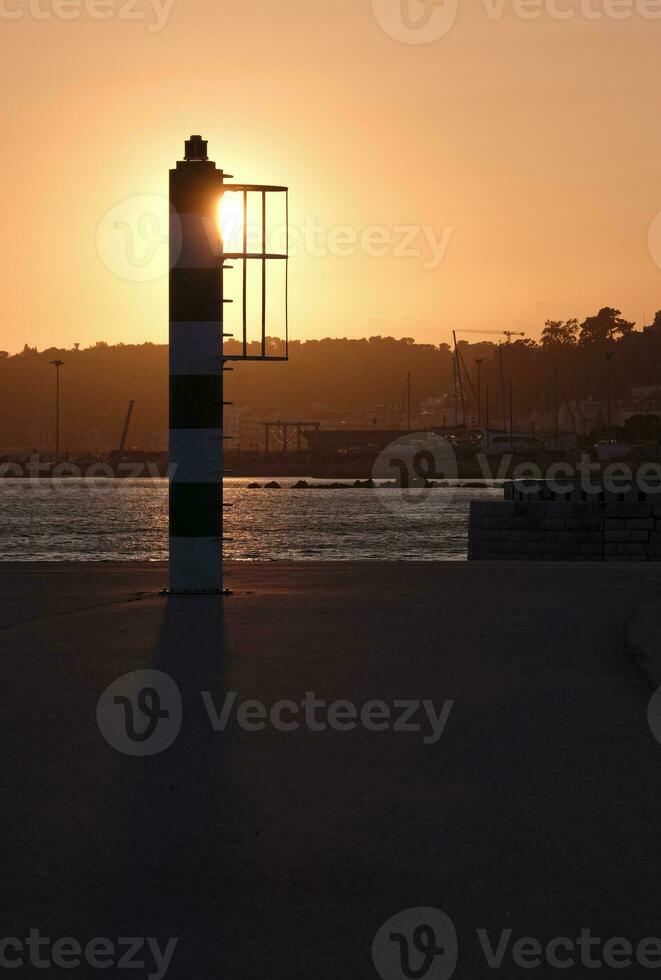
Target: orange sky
<point>528,152</point>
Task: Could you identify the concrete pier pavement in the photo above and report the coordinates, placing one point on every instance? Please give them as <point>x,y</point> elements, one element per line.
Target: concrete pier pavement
<point>279,854</point>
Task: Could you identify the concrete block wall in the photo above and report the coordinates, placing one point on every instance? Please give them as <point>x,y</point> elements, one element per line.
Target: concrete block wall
<point>552,530</point>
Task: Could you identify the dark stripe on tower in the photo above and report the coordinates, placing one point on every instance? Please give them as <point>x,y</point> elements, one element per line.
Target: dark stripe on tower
<point>196,401</point>
<point>195,510</point>
<point>195,294</point>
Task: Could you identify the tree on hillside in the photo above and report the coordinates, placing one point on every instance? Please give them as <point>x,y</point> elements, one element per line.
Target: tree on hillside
<point>559,334</point>
<point>656,323</point>
<point>607,325</point>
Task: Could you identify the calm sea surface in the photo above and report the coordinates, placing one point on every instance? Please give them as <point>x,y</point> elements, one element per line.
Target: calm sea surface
<point>126,520</point>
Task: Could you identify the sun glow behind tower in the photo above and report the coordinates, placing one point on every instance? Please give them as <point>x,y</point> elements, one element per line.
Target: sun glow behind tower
<point>231,221</point>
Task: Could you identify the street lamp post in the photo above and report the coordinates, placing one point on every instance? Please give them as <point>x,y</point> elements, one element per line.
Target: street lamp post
<point>609,372</point>
<point>478,364</point>
<point>57,365</point>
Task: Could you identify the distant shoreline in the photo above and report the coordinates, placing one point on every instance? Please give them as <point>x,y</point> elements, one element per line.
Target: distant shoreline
<point>293,466</point>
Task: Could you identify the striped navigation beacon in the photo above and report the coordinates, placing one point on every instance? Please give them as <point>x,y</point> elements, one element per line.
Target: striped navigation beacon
<point>212,225</point>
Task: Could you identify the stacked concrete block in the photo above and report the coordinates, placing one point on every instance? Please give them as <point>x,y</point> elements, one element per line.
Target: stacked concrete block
<point>534,527</point>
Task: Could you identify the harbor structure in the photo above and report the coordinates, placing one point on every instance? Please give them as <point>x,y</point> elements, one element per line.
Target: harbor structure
<point>197,359</point>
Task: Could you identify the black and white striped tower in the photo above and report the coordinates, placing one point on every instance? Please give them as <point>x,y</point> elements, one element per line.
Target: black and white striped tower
<point>196,374</point>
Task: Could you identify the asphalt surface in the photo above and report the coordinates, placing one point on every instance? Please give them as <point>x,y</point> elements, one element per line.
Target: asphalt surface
<point>527,799</point>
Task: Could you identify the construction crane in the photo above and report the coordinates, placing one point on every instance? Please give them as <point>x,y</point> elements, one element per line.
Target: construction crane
<point>496,333</point>
<point>125,430</point>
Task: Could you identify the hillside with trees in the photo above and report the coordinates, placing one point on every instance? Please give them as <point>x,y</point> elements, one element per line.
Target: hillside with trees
<point>338,375</point>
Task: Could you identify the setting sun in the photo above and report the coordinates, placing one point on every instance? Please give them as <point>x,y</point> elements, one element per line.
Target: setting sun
<point>231,220</point>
